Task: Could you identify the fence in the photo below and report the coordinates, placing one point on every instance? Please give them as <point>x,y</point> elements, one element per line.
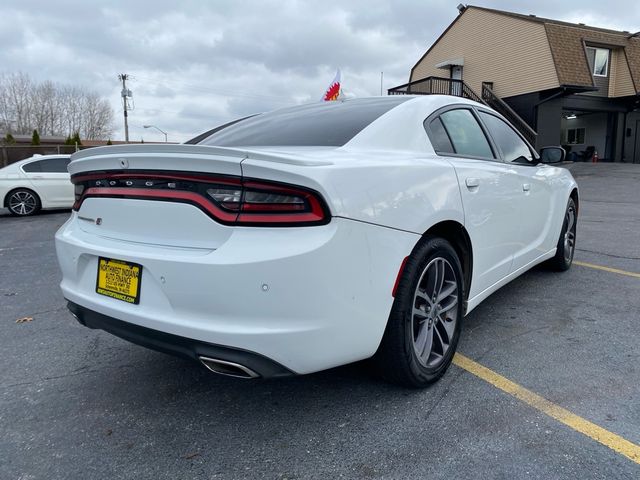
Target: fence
<point>14,153</point>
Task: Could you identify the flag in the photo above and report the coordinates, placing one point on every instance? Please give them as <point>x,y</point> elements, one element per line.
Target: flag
<point>333,91</point>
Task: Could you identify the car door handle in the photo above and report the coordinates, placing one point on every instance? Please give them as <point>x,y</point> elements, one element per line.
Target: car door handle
<point>472,182</point>
<point>526,187</point>
<point>37,177</point>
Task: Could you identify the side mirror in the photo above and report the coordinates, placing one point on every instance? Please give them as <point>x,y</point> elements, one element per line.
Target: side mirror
<point>552,154</point>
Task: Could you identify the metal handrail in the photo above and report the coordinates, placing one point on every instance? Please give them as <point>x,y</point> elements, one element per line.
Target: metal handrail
<point>499,105</point>
<point>457,88</point>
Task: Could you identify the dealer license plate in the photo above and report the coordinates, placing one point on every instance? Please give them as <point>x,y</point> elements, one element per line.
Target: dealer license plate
<point>119,279</point>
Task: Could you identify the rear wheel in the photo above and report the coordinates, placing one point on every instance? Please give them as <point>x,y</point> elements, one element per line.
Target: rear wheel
<point>567,242</point>
<point>424,326</point>
<point>23,202</point>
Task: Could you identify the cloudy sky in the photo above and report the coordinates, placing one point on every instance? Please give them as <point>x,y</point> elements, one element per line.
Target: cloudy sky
<point>195,63</point>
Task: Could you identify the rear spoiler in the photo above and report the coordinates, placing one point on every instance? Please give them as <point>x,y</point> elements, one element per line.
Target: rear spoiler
<point>185,150</point>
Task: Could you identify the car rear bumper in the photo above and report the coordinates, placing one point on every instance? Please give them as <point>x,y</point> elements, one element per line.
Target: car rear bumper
<point>177,345</point>
<point>307,298</point>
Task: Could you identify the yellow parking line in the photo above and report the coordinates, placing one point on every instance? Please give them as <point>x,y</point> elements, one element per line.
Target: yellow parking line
<point>607,269</point>
<point>579,424</point>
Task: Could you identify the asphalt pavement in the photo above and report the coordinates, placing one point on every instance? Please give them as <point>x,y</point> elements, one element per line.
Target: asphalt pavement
<point>80,403</point>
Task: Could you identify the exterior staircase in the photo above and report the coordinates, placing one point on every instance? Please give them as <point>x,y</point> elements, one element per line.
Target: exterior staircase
<point>457,88</point>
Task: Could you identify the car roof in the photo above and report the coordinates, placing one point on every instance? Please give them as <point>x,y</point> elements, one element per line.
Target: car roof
<point>42,157</point>
<point>51,155</point>
<point>401,128</point>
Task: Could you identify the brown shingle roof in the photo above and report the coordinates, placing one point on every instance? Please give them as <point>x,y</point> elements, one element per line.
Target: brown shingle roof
<point>568,55</point>
<point>534,18</point>
<point>567,41</point>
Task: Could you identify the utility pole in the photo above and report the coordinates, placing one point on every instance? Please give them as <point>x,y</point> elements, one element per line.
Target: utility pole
<point>123,77</point>
<point>381,80</point>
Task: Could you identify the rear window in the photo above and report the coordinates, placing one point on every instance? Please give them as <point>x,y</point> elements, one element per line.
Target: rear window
<point>55,165</point>
<point>49,165</point>
<point>324,124</point>
<point>32,167</point>
<point>439,137</point>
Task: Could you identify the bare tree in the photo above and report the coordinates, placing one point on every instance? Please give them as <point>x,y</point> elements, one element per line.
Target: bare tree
<point>97,117</point>
<point>16,103</point>
<point>52,109</point>
<point>42,111</point>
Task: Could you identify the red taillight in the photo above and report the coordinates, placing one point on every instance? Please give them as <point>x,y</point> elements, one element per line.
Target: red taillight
<point>229,200</point>
<point>266,203</point>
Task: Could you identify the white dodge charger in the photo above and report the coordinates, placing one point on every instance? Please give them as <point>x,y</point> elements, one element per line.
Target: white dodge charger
<point>314,236</point>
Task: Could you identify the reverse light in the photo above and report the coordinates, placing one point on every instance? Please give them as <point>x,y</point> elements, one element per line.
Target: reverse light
<point>271,201</point>
<point>228,198</point>
<point>78,189</point>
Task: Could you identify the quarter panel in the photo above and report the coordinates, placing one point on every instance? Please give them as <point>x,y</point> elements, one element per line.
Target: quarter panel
<point>44,186</point>
<point>56,188</point>
<point>383,188</point>
<point>14,182</point>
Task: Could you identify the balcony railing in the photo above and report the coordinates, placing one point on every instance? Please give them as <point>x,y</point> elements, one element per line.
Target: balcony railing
<point>436,86</point>
<point>457,88</point>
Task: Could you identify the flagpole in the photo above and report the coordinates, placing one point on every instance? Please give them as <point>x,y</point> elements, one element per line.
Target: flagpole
<point>381,78</point>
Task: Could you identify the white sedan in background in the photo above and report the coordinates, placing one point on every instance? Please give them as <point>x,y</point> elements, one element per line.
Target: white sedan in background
<point>314,236</point>
<point>39,182</point>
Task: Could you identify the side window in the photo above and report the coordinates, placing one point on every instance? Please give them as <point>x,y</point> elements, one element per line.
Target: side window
<point>32,167</point>
<point>439,137</point>
<point>513,148</point>
<point>55,165</point>
<point>466,134</point>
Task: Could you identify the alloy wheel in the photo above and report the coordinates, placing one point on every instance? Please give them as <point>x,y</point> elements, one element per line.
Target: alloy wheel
<point>434,314</point>
<point>23,203</point>
<point>570,233</point>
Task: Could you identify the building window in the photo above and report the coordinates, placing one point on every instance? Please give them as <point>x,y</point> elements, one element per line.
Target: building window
<point>598,61</point>
<point>575,136</point>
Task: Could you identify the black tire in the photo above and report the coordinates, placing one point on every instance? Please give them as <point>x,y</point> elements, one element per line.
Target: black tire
<point>566,246</point>
<point>23,202</point>
<point>397,357</point>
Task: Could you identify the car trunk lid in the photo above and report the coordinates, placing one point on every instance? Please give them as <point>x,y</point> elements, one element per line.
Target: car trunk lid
<point>152,221</point>
<point>158,157</point>
<point>187,195</point>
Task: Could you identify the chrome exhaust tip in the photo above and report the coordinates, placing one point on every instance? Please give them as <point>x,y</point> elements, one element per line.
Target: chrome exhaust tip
<point>229,369</point>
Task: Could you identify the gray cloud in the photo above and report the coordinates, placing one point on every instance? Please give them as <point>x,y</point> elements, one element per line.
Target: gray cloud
<point>196,64</point>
